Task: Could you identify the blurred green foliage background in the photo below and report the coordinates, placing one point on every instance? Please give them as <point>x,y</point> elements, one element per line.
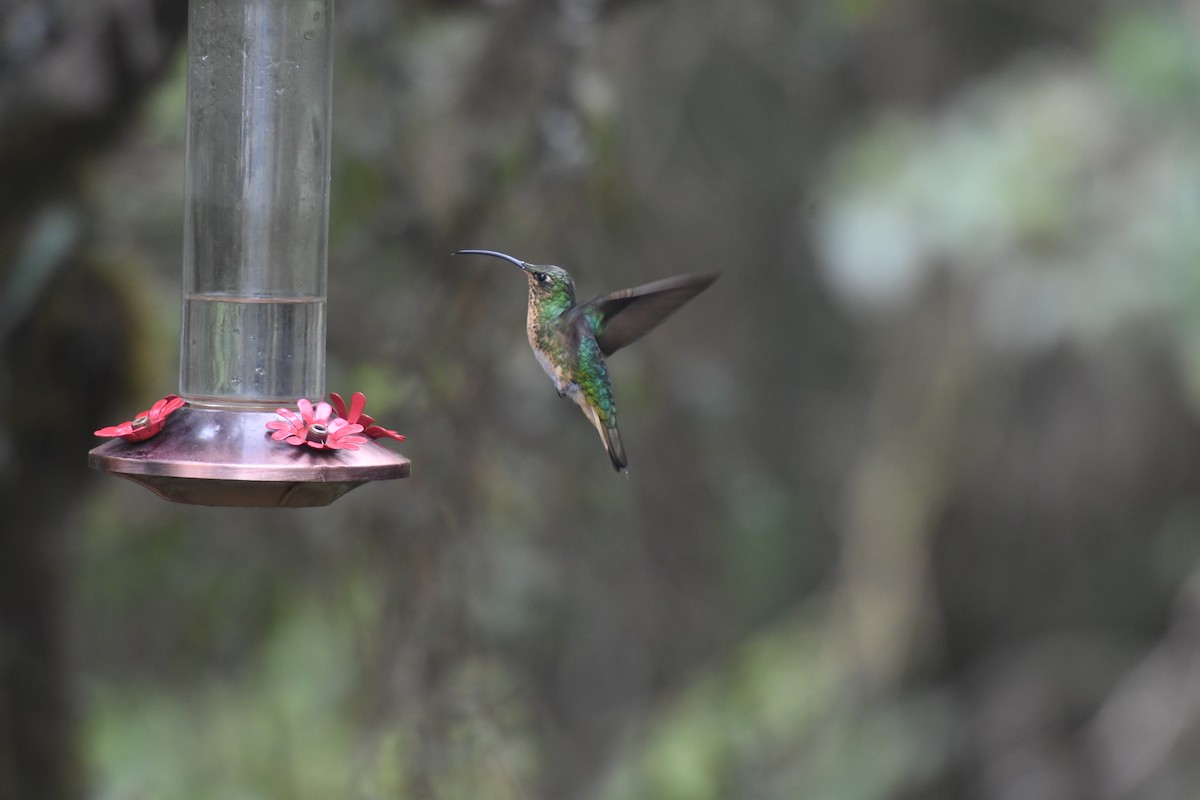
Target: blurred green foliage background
<point>914,499</point>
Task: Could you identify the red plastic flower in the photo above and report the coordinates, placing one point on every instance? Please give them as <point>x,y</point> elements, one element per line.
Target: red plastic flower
<point>147,423</point>
<point>315,427</point>
<point>354,414</point>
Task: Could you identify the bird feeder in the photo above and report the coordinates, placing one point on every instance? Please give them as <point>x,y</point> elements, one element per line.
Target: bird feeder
<point>254,269</point>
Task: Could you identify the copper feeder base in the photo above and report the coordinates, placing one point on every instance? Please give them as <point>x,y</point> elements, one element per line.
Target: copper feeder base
<point>219,457</point>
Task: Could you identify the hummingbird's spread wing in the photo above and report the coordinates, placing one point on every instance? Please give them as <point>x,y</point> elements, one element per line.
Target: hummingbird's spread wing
<point>624,317</point>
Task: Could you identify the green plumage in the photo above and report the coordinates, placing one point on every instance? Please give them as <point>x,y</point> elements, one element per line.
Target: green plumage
<point>571,341</point>
<point>591,374</point>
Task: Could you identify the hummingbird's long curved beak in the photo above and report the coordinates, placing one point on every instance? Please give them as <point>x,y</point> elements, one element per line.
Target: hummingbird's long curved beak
<point>506,257</point>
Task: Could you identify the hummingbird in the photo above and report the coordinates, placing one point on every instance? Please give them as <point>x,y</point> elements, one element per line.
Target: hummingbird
<point>571,340</point>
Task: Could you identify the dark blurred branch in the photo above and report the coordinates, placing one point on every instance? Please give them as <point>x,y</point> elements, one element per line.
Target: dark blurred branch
<point>71,78</point>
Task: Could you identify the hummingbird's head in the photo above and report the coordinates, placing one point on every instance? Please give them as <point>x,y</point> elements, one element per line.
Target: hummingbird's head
<point>549,281</point>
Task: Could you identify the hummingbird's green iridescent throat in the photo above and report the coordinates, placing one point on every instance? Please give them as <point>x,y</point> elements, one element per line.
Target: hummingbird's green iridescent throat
<point>571,341</point>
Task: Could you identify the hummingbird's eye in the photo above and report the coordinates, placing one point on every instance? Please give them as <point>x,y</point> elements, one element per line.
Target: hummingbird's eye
<point>541,277</point>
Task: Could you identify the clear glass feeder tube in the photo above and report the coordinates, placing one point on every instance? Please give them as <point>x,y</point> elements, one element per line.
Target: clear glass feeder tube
<point>256,201</point>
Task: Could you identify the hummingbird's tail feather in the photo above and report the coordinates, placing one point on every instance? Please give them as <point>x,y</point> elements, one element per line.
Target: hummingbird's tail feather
<point>616,451</point>
<point>608,434</point>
